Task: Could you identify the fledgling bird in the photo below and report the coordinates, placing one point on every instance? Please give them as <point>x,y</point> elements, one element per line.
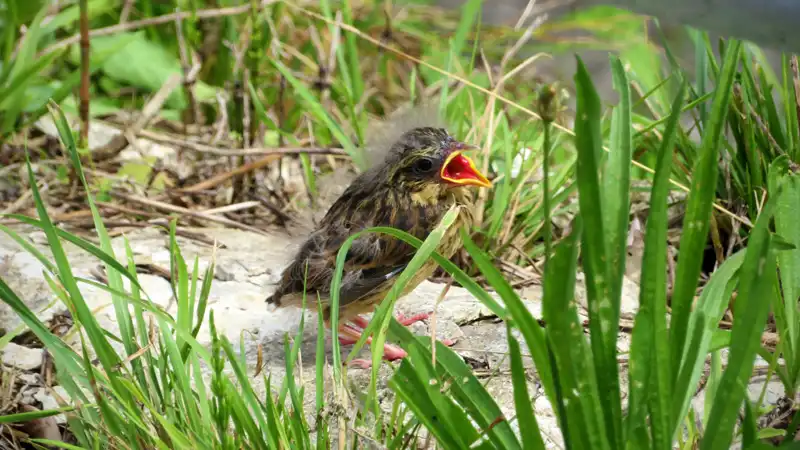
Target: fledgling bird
<point>423,173</point>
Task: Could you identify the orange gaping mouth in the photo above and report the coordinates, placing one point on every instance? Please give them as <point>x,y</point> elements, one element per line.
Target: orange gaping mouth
<point>459,169</point>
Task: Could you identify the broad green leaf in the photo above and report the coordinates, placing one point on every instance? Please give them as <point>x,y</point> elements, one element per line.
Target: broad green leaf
<point>143,64</point>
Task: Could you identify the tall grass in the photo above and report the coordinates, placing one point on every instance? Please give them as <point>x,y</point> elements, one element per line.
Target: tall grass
<point>154,392</point>
<point>162,389</point>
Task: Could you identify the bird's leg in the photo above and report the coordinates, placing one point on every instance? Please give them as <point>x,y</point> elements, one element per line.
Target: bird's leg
<point>352,335</point>
<point>346,333</point>
<point>420,317</point>
<point>362,323</point>
<point>407,321</point>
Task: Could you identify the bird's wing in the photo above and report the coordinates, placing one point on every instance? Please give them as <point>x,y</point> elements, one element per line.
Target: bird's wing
<point>369,281</point>
<point>372,260</point>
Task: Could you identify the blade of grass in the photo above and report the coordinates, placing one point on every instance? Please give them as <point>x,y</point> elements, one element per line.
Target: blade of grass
<point>383,315</point>
<point>108,357</point>
<point>616,183</point>
<point>75,240</point>
<point>650,373</point>
<point>699,209</point>
<point>787,217</point>
<point>520,317</point>
<point>603,309</point>
<point>757,281</point>
<point>451,373</point>
<point>316,109</point>
<point>578,399</point>
<point>528,427</point>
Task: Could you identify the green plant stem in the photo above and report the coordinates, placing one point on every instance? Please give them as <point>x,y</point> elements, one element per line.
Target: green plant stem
<point>547,226</point>
<point>84,93</point>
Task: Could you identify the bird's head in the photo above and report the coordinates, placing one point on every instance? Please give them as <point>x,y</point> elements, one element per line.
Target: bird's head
<point>429,160</point>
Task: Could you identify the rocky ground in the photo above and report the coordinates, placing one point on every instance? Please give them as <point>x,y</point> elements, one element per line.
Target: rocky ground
<point>247,264</point>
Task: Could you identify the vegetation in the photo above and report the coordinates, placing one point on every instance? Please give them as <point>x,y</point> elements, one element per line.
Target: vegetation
<point>240,88</point>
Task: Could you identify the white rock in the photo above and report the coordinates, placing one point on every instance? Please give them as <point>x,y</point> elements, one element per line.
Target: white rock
<point>23,358</point>
<point>30,379</point>
<point>48,401</point>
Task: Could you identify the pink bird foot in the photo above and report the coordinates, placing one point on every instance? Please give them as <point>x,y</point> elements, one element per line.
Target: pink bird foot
<point>351,333</point>
<point>405,321</point>
<point>390,353</point>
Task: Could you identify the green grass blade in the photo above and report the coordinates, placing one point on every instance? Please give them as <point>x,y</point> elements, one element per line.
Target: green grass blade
<point>316,109</point>
<point>108,357</point>
<point>519,315</point>
<point>464,388</point>
<point>407,384</point>
<point>703,322</point>
<point>698,209</point>
<point>790,107</point>
<point>654,349</point>
<point>29,247</point>
<point>603,309</point>
<point>578,400</point>
<point>787,216</point>
<point>113,271</point>
<point>528,426</point>
<point>616,183</point>
<point>383,313</point>
<point>757,281</point>
<point>78,242</point>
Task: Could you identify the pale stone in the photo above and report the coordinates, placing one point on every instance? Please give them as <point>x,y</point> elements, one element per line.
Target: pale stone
<point>22,358</point>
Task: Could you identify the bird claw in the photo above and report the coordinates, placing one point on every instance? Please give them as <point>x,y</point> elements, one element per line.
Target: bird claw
<point>406,321</point>
<point>361,363</point>
<point>390,353</point>
<point>346,340</point>
<point>448,342</point>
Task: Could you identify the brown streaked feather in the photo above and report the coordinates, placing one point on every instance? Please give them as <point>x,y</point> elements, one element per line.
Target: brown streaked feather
<point>385,195</point>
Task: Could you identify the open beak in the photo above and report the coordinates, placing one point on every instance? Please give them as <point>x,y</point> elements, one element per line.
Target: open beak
<point>459,169</point>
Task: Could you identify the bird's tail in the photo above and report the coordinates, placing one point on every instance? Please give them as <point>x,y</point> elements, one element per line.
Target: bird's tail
<point>274,301</point>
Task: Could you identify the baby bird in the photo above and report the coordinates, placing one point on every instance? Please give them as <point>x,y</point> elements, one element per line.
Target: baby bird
<point>422,175</point>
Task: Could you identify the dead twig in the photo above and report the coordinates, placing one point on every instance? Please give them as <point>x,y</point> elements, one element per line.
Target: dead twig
<point>22,200</point>
<point>161,224</point>
<point>256,151</point>
<point>127,210</point>
<point>225,176</point>
<point>283,218</point>
<point>233,207</point>
<point>84,106</point>
<point>178,209</point>
<point>159,20</point>
<point>189,75</point>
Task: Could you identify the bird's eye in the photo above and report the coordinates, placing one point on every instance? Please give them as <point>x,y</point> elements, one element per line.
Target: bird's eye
<point>423,165</point>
